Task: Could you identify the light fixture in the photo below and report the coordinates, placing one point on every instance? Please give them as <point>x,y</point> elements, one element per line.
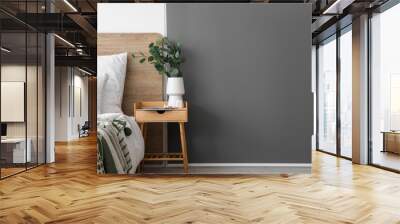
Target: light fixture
<point>64,40</point>
<point>79,51</point>
<point>84,71</point>
<point>5,50</point>
<point>70,5</point>
<point>331,7</point>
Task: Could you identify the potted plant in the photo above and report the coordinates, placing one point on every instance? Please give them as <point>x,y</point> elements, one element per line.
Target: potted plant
<point>167,58</point>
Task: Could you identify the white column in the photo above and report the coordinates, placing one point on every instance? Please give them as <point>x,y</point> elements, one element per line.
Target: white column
<point>50,108</point>
<point>360,90</point>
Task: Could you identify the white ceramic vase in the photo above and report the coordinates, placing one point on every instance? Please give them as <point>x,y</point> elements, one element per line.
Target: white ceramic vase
<point>175,91</point>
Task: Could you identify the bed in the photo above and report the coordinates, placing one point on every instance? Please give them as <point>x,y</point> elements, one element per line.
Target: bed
<point>120,84</point>
<point>120,145</point>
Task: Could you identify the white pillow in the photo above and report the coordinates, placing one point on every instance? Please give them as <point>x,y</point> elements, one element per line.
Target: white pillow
<point>111,70</point>
<point>100,90</point>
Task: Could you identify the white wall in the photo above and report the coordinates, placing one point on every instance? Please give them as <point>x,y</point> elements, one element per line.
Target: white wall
<point>131,18</point>
<point>67,80</point>
<point>82,82</point>
<point>62,81</point>
<point>16,73</point>
<point>78,118</point>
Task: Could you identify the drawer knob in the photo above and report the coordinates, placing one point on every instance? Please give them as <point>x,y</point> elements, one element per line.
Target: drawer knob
<point>160,111</point>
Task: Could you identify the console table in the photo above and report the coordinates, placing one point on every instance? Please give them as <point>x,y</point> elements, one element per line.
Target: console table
<point>13,150</point>
<point>391,141</point>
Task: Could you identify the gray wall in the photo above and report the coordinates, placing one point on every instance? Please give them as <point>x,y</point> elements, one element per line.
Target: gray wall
<point>248,81</point>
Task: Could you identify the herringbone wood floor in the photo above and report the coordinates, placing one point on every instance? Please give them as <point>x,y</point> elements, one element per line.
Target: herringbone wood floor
<point>69,191</point>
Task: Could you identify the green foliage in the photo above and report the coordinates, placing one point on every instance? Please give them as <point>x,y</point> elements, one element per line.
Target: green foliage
<point>166,56</point>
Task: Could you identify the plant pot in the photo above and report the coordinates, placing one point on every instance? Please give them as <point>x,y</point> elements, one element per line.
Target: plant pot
<point>175,91</point>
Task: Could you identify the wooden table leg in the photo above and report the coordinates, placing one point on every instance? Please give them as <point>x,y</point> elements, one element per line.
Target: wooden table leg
<point>145,132</point>
<point>142,166</point>
<point>184,146</point>
<point>143,128</point>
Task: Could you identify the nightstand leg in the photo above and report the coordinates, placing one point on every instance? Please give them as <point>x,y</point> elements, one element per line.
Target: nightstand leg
<point>184,146</point>
<point>142,166</point>
<point>143,128</point>
<point>145,132</point>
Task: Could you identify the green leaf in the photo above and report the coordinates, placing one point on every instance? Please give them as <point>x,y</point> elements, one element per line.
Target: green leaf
<point>142,60</point>
<point>174,72</point>
<point>167,67</point>
<point>159,67</point>
<point>165,56</point>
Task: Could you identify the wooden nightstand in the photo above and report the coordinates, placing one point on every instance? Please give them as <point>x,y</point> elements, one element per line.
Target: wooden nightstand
<point>154,112</point>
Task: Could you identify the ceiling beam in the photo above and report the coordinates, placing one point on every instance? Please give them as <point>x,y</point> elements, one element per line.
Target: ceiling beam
<point>337,6</point>
<point>49,22</point>
<point>77,61</point>
<point>86,26</point>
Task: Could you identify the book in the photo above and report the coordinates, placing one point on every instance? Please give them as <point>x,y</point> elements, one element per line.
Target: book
<point>158,108</point>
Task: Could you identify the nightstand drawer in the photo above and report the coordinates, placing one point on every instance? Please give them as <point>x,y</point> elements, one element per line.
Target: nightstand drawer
<point>154,111</point>
<point>161,116</point>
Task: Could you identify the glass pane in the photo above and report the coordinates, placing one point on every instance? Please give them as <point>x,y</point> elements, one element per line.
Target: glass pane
<point>13,87</point>
<point>31,100</point>
<point>346,94</point>
<point>327,96</point>
<point>32,88</point>
<point>41,99</point>
<point>22,89</point>
<point>385,84</point>
<point>313,89</point>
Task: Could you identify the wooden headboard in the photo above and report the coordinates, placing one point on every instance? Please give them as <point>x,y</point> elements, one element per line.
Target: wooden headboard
<point>142,82</point>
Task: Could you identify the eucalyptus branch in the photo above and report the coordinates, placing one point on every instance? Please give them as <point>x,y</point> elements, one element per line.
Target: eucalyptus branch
<point>165,55</point>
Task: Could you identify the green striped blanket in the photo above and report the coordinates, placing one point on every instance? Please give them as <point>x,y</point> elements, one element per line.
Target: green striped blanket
<point>112,152</point>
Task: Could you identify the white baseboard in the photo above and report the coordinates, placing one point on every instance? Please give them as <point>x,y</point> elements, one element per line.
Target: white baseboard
<point>248,164</point>
<point>231,168</point>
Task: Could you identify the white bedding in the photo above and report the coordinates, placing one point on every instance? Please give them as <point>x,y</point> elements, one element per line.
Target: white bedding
<point>135,142</point>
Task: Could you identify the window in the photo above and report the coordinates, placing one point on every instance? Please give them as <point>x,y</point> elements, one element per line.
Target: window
<point>22,65</point>
<point>327,95</point>
<point>334,106</point>
<point>346,93</point>
<point>385,89</point>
